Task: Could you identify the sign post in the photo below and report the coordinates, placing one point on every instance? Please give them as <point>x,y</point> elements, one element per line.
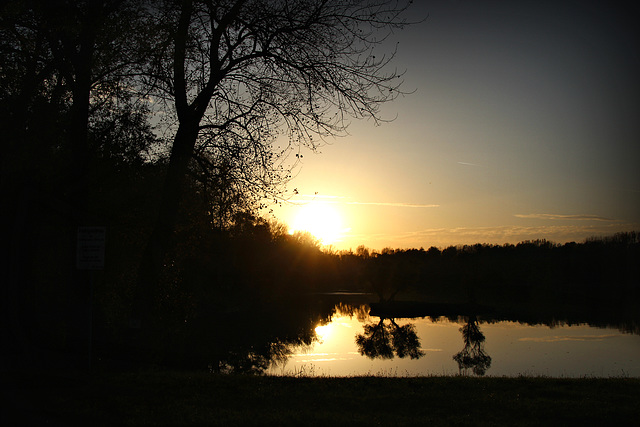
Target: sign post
<point>90,256</point>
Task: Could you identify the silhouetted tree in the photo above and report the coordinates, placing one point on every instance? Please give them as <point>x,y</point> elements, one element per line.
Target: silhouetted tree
<point>376,341</point>
<point>406,342</point>
<point>473,356</point>
<point>391,272</point>
<point>384,339</point>
<point>236,73</point>
<point>69,124</point>
<point>74,57</point>
<point>362,251</point>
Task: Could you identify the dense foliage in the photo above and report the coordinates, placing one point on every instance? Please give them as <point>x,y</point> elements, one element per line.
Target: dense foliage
<point>167,122</point>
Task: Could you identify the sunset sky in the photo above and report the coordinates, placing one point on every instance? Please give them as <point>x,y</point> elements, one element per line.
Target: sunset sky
<point>524,124</point>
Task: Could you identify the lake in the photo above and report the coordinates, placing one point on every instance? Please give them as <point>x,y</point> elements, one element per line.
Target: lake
<point>480,347</point>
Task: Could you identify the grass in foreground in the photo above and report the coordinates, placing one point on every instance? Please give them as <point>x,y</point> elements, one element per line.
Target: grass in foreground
<point>172,398</point>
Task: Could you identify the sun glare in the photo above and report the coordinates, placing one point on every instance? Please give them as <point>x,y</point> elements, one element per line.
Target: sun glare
<point>323,332</point>
<point>321,220</point>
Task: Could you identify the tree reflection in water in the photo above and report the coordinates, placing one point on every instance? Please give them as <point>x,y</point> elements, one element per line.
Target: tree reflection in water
<point>383,340</point>
<point>260,339</point>
<point>256,360</point>
<point>472,356</point>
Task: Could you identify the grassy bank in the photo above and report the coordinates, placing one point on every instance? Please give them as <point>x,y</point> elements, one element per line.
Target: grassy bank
<point>207,399</point>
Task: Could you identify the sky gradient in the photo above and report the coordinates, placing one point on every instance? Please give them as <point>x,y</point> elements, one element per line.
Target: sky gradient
<point>523,124</point>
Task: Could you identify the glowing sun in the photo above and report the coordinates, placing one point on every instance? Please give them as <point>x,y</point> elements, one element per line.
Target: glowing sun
<point>321,220</point>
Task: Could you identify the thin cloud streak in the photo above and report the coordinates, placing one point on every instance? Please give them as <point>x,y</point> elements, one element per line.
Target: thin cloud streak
<point>564,217</point>
<point>303,199</point>
<point>321,196</point>
<point>401,205</point>
<point>307,198</point>
<point>560,338</point>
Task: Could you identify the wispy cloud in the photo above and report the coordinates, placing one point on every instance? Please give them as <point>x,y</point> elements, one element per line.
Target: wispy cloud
<point>395,204</point>
<point>320,197</point>
<point>303,199</point>
<point>564,217</point>
<point>307,198</point>
<point>560,338</point>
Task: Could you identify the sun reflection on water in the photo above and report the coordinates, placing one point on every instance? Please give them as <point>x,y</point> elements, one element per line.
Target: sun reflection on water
<point>323,332</point>
<point>515,349</point>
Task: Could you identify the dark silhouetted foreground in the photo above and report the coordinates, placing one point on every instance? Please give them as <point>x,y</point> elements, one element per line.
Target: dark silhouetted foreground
<point>189,399</point>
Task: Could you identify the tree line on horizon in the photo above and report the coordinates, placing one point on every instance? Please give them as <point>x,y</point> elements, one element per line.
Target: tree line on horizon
<point>604,266</point>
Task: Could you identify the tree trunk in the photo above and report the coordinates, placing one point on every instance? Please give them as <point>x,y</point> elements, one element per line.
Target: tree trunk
<point>160,241</point>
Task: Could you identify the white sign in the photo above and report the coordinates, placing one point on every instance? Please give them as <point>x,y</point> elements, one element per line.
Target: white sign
<point>90,248</point>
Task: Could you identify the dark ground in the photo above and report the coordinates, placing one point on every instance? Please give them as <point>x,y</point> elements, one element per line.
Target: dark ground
<point>173,398</point>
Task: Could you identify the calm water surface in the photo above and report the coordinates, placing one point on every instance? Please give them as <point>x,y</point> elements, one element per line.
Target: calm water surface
<point>508,349</point>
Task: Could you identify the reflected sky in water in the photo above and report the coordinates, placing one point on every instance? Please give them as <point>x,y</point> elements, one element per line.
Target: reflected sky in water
<point>514,349</point>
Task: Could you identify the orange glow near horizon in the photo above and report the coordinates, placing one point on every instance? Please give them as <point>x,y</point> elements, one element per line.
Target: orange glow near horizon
<point>322,220</point>
<point>464,160</point>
